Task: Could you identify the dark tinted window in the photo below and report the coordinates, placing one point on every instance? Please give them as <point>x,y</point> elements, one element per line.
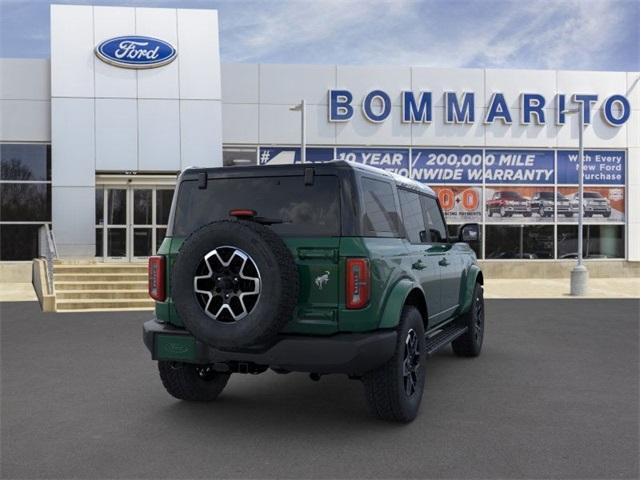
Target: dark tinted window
<point>163,206</point>
<point>305,210</point>
<point>412,215</point>
<point>545,195</point>
<point>25,202</point>
<point>25,162</point>
<point>380,216</point>
<point>437,230</point>
<point>519,241</point>
<point>598,241</point>
<point>18,242</point>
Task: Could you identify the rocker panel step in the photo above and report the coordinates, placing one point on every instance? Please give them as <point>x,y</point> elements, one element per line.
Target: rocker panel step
<point>447,335</point>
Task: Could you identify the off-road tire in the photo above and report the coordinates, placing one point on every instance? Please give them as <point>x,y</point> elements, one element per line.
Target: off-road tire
<point>186,381</point>
<point>279,284</point>
<point>606,214</point>
<point>470,343</point>
<point>384,387</point>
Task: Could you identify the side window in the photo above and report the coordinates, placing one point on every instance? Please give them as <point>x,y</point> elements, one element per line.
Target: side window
<point>380,216</point>
<point>412,216</point>
<point>437,229</point>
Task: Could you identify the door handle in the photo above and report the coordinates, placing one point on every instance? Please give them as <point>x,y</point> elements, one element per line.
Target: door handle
<point>444,262</point>
<point>418,265</point>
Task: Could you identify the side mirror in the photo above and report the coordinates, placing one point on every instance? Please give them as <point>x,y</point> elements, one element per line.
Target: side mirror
<point>469,232</point>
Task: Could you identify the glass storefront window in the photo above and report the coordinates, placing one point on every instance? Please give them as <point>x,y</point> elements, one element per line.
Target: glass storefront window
<point>117,206</point>
<point>99,242</point>
<point>529,242</point>
<point>25,162</point>
<point>99,206</point>
<point>18,242</point>
<point>25,202</point>
<point>598,241</point>
<point>25,198</point>
<point>163,206</point>
<point>142,206</point>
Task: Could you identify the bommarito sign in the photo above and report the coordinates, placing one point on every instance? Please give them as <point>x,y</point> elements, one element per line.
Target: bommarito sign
<point>460,108</point>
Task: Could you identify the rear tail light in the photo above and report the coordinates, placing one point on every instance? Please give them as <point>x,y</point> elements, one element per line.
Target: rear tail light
<point>357,282</point>
<point>156,278</point>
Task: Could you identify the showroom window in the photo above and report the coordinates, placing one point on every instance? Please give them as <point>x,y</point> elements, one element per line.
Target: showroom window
<point>239,156</point>
<point>528,242</point>
<point>598,241</point>
<point>25,198</point>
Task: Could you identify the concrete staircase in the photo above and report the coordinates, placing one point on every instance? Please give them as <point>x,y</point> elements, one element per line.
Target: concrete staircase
<point>92,287</point>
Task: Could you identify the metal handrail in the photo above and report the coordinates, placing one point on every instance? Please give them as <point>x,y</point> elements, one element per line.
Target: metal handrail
<point>48,249</point>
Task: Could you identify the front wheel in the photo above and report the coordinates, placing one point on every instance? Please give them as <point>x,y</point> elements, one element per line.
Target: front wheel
<point>394,391</point>
<point>186,381</point>
<point>470,344</point>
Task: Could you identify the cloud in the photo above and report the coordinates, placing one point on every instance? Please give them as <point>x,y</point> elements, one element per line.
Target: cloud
<point>544,34</point>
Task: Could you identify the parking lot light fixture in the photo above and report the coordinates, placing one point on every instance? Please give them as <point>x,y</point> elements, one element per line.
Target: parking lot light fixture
<point>580,274</point>
<point>300,107</point>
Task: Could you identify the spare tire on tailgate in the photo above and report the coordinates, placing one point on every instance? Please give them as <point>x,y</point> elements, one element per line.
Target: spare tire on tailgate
<point>234,284</point>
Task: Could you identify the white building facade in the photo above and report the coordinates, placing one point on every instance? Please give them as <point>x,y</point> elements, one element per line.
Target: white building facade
<point>92,148</point>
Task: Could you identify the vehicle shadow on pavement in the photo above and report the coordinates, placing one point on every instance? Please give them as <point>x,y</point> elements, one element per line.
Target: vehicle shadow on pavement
<point>291,402</point>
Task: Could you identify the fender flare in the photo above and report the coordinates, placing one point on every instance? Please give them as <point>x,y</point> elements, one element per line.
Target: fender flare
<point>395,301</point>
<point>474,274</point>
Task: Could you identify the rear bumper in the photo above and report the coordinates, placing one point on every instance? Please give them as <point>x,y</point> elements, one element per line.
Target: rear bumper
<point>350,353</point>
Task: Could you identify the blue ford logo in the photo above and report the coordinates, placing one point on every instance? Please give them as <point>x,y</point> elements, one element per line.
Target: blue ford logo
<point>134,51</point>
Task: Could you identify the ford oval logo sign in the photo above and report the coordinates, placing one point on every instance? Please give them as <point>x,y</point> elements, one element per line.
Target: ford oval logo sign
<point>134,51</point>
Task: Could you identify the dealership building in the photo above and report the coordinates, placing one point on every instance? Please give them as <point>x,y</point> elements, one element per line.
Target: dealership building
<point>91,146</point>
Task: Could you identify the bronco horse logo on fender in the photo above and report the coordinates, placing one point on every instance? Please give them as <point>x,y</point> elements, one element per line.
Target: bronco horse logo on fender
<point>135,51</point>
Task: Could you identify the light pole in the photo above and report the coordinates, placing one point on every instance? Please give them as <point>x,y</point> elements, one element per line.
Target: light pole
<point>580,274</point>
<point>303,129</point>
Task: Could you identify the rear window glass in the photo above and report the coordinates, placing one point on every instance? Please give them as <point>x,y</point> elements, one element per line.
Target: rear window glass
<point>380,215</point>
<point>305,210</point>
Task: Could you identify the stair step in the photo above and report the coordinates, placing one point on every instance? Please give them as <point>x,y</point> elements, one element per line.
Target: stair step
<point>93,268</point>
<point>95,310</point>
<point>443,338</point>
<point>105,277</point>
<point>103,294</point>
<point>100,285</point>
<point>101,304</point>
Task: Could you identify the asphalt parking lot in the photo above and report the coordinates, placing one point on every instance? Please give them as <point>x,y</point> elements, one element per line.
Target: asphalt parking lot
<point>555,394</point>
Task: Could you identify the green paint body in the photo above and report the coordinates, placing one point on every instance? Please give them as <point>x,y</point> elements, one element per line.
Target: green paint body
<point>321,309</point>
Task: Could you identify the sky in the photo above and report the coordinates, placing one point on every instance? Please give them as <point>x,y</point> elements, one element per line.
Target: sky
<point>534,34</point>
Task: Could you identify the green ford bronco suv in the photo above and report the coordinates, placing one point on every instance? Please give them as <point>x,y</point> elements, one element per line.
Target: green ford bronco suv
<point>320,268</point>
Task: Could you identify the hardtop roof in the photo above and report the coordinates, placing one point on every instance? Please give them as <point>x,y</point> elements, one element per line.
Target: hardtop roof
<point>298,168</point>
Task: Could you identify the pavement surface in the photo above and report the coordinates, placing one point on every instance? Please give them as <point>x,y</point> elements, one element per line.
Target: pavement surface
<point>553,395</point>
<point>560,288</point>
<point>17,292</point>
